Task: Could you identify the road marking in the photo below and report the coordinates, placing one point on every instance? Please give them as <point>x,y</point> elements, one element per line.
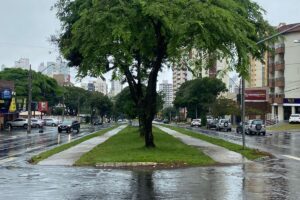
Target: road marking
<point>292,157</point>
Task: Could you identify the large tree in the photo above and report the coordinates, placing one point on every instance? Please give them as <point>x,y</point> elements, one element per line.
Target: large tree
<point>197,95</point>
<point>135,38</point>
<point>44,88</point>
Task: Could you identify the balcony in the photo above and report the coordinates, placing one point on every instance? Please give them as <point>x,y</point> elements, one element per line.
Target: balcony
<point>280,49</point>
<point>271,68</point>
<point>279,66</point>
<point>271,83</point>
<point>279,82</point>
<point>278,98</point>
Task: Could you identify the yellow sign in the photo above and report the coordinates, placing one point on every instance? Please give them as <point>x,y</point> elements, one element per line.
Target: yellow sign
<point>12,107</point>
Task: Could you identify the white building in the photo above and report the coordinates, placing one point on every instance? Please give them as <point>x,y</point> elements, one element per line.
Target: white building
<point>57,69</point>
<point>284,74</point>
<point>22,63</point>
<point>167,89</point>
<point>101,85</point>
<point>116,88</point>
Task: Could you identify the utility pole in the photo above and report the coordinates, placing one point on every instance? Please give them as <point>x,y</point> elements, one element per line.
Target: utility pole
<point>63,106</point>
<point>29,99</point>
<point>243,111</point>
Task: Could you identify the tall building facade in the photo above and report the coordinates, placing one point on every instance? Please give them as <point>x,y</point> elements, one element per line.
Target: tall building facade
<point>167,89</point>
<point>258,73</point>
<point>116,88</point>
<point>58,70</point>
<point>101,85</point>
<point>22,63</point>
<point>284,74</point>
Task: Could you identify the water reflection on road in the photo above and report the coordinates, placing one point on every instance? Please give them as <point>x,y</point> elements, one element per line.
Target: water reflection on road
<point>271,179</point>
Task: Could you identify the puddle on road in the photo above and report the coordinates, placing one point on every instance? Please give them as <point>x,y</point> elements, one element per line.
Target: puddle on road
<point>272,179</point>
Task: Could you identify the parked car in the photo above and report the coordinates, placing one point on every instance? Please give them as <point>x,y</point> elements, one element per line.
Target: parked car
<point>51,122</point>
<point>69,126</point>
<point>294,118</point>
<point>165,121</point>
<point>196,122</point>
<point>209,119</point>
<point>239,128</point>
<point>223,124</point>
<point>212,124</point>
<point>19,122</point>
<point>256,126</point>
<point>97,122</point>
<point>37,123</point>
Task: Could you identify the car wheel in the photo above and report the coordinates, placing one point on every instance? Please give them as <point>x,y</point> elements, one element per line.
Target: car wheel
<point>38,126</point>
<point>264,133</point>
<point>53,124</point>
<point>10,126</point>
<point>59,130</point>
<point>25,126</point>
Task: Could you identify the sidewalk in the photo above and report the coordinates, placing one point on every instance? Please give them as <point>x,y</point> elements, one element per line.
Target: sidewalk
<point>71,155</point>
<point>217,153</point>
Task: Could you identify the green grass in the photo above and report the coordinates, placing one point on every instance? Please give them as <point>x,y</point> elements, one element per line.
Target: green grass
<point>128,146</point>
<point>284,127</point>
<point>46,154</point>
<point>249,153</point>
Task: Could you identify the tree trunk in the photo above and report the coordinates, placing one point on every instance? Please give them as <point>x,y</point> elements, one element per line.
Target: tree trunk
<point>141,126</point>
<point>147,129</point>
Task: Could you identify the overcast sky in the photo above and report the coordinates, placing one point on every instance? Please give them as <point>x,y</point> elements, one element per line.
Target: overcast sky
<point>26,25</point>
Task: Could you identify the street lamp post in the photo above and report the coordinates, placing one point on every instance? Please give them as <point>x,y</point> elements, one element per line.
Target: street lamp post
<point>243,78</point>
<point>29,99</point>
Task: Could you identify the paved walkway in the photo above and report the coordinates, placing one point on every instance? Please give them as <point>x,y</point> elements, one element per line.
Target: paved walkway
<point>217,153</point>
<point>71,155</point>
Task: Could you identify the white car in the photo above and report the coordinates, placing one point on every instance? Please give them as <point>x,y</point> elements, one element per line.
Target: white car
<point>19,122</point>
<point>223,124</point>
<point>51,122</point>
<point>294,118</point>
<point>37,123</point>
<point>196,122</point>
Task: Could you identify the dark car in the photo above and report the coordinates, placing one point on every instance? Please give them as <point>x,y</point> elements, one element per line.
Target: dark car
<point>212,124</point>
<point>69,126</point>
<point>239,128</point>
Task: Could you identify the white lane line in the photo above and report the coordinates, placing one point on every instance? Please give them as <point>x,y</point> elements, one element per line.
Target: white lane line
<point>292,157</point>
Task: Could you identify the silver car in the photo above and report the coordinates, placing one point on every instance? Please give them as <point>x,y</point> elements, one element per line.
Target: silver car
<point>51,122</point>
<point>255,127</point>
<point>19,122</point>
<point>223,124</point>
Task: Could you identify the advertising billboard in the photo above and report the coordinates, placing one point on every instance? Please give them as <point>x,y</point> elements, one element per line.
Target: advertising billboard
<point>256,95</point>
<point>43,106</point>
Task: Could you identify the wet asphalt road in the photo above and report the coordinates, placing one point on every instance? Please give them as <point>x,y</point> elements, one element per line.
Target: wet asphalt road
<point>277,178</point>
<point>18,142</point>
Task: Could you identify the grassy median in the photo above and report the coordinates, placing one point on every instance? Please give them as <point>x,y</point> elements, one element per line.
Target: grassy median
<point>249,153</point>
<point>46,154</point>
<point>284,127</point>
<point>128,147</point>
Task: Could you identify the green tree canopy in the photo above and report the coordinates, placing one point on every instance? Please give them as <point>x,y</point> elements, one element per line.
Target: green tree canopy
<point>197,95</point>
<point>44,88</point>
<point>223,106</point>
<point>76,98</point>
<point>136,37</point>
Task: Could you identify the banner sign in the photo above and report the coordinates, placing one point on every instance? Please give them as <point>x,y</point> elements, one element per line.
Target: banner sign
<point>256,95</point>
<point>43,106</point>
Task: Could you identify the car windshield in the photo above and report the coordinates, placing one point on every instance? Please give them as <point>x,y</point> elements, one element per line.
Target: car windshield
<point>67,122</point>
<point>196,120</point>
<point>257,122</point>
<point>295,115</point>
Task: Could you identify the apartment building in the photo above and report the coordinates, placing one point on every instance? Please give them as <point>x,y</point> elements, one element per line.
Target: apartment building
<point>167,89</point>
<point>284,73</point>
